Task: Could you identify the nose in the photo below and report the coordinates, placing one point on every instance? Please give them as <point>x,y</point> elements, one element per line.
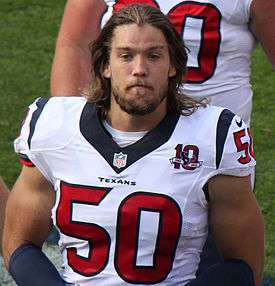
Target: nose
<point>140,67</point>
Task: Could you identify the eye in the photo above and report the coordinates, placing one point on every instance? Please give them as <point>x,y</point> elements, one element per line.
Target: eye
<point>154,56</point>
<point>125,57</point>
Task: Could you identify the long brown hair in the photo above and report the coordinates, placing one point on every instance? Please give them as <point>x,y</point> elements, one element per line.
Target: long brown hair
<point>140,14</point>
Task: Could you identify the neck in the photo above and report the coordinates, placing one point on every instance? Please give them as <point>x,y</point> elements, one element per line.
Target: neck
<point>123,121</point>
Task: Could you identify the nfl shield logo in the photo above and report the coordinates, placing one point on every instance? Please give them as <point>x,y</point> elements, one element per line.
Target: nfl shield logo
<point>120,160</point>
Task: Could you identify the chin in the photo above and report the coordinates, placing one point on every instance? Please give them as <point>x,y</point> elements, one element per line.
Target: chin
<point>139,110</point>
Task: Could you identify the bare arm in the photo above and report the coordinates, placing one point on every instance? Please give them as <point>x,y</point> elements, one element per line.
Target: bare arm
<point>4,193</point>
<point>262,13</point>
<point>28,212</point>
<point>236,221</point>
<point>71,66</point>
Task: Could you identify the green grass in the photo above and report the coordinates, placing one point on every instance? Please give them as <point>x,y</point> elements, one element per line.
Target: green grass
<point>263,122</point>
<point>28,29</point>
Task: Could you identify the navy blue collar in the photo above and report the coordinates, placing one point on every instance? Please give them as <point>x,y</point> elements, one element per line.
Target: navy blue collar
<point>94,132</point>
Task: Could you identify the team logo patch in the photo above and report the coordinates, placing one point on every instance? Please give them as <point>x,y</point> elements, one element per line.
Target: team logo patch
<point>186,157</point>
<point>120,160</point>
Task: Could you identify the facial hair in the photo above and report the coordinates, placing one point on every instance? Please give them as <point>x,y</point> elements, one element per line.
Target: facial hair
<point>133,107</point>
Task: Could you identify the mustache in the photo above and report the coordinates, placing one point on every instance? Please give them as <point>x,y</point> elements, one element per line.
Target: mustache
<point>139,83</point>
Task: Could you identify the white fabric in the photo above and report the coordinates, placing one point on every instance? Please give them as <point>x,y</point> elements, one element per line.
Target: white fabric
<point>98,197</point>
<point>123,138</point>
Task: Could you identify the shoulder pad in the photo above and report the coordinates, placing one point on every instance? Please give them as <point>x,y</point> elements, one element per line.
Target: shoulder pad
<point>234,149</point>
<point>50,123</point>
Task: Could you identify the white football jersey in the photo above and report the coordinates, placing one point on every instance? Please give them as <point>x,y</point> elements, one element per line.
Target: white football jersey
<point>135,214</point>
<point>217,35</point>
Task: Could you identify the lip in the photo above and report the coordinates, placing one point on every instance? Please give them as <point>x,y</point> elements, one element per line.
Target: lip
<point>141,86</point>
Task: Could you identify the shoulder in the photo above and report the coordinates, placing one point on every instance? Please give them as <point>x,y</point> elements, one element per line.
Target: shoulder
<point>207,116</point>
<point>205,124</point>
<point>232,140</point>
<point>48,108</point>
<point>235,148</point>
<point>224,137</point>
<point>50,123</point>
<point>241,10</point>
<point>57,108</point>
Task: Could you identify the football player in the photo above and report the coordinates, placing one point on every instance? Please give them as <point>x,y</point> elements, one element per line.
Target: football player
<point>130,174</point>
<point>220,36</point>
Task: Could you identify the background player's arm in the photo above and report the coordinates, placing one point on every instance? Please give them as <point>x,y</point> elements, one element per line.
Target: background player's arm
<point>28,212</point>
<point>262,24</point>
<point>4,193</point>
<point>236,221</point>
<point>71,66</point>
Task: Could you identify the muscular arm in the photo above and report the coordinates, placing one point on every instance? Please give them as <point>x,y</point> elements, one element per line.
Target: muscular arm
<point>262,25</point>
<point>71,66</point>
<point>28,212</point>
<point>4,193</point>
<point>237,222</point>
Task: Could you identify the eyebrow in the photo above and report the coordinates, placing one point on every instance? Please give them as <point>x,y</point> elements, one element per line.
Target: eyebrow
<point>134,48</point>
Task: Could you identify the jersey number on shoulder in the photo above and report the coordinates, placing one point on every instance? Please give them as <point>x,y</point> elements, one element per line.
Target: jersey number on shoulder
<point>193,17</point>
<point>129,226</point>
<point>244,146</point>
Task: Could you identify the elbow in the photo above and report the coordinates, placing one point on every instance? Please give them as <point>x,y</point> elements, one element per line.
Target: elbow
<point>6,254</point>
<point>9,245</point>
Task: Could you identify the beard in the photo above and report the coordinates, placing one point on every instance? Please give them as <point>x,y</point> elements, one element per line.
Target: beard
<point>140,105</point>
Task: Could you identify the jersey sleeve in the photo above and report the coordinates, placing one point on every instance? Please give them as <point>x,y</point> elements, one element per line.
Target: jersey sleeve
<point>22,144</point>
<point>234,146</point>
<point>242,10</point>
<point>23,141</point>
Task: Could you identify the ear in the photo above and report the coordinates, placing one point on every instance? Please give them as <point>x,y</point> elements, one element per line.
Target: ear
<point>107,71</point>
<point>172,71</point>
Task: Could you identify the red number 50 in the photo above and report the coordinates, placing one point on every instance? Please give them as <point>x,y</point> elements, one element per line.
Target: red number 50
<point>245,146</point>
<point>128,221</point>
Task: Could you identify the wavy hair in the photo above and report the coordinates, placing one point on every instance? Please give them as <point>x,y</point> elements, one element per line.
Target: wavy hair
<point>99,91</point>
